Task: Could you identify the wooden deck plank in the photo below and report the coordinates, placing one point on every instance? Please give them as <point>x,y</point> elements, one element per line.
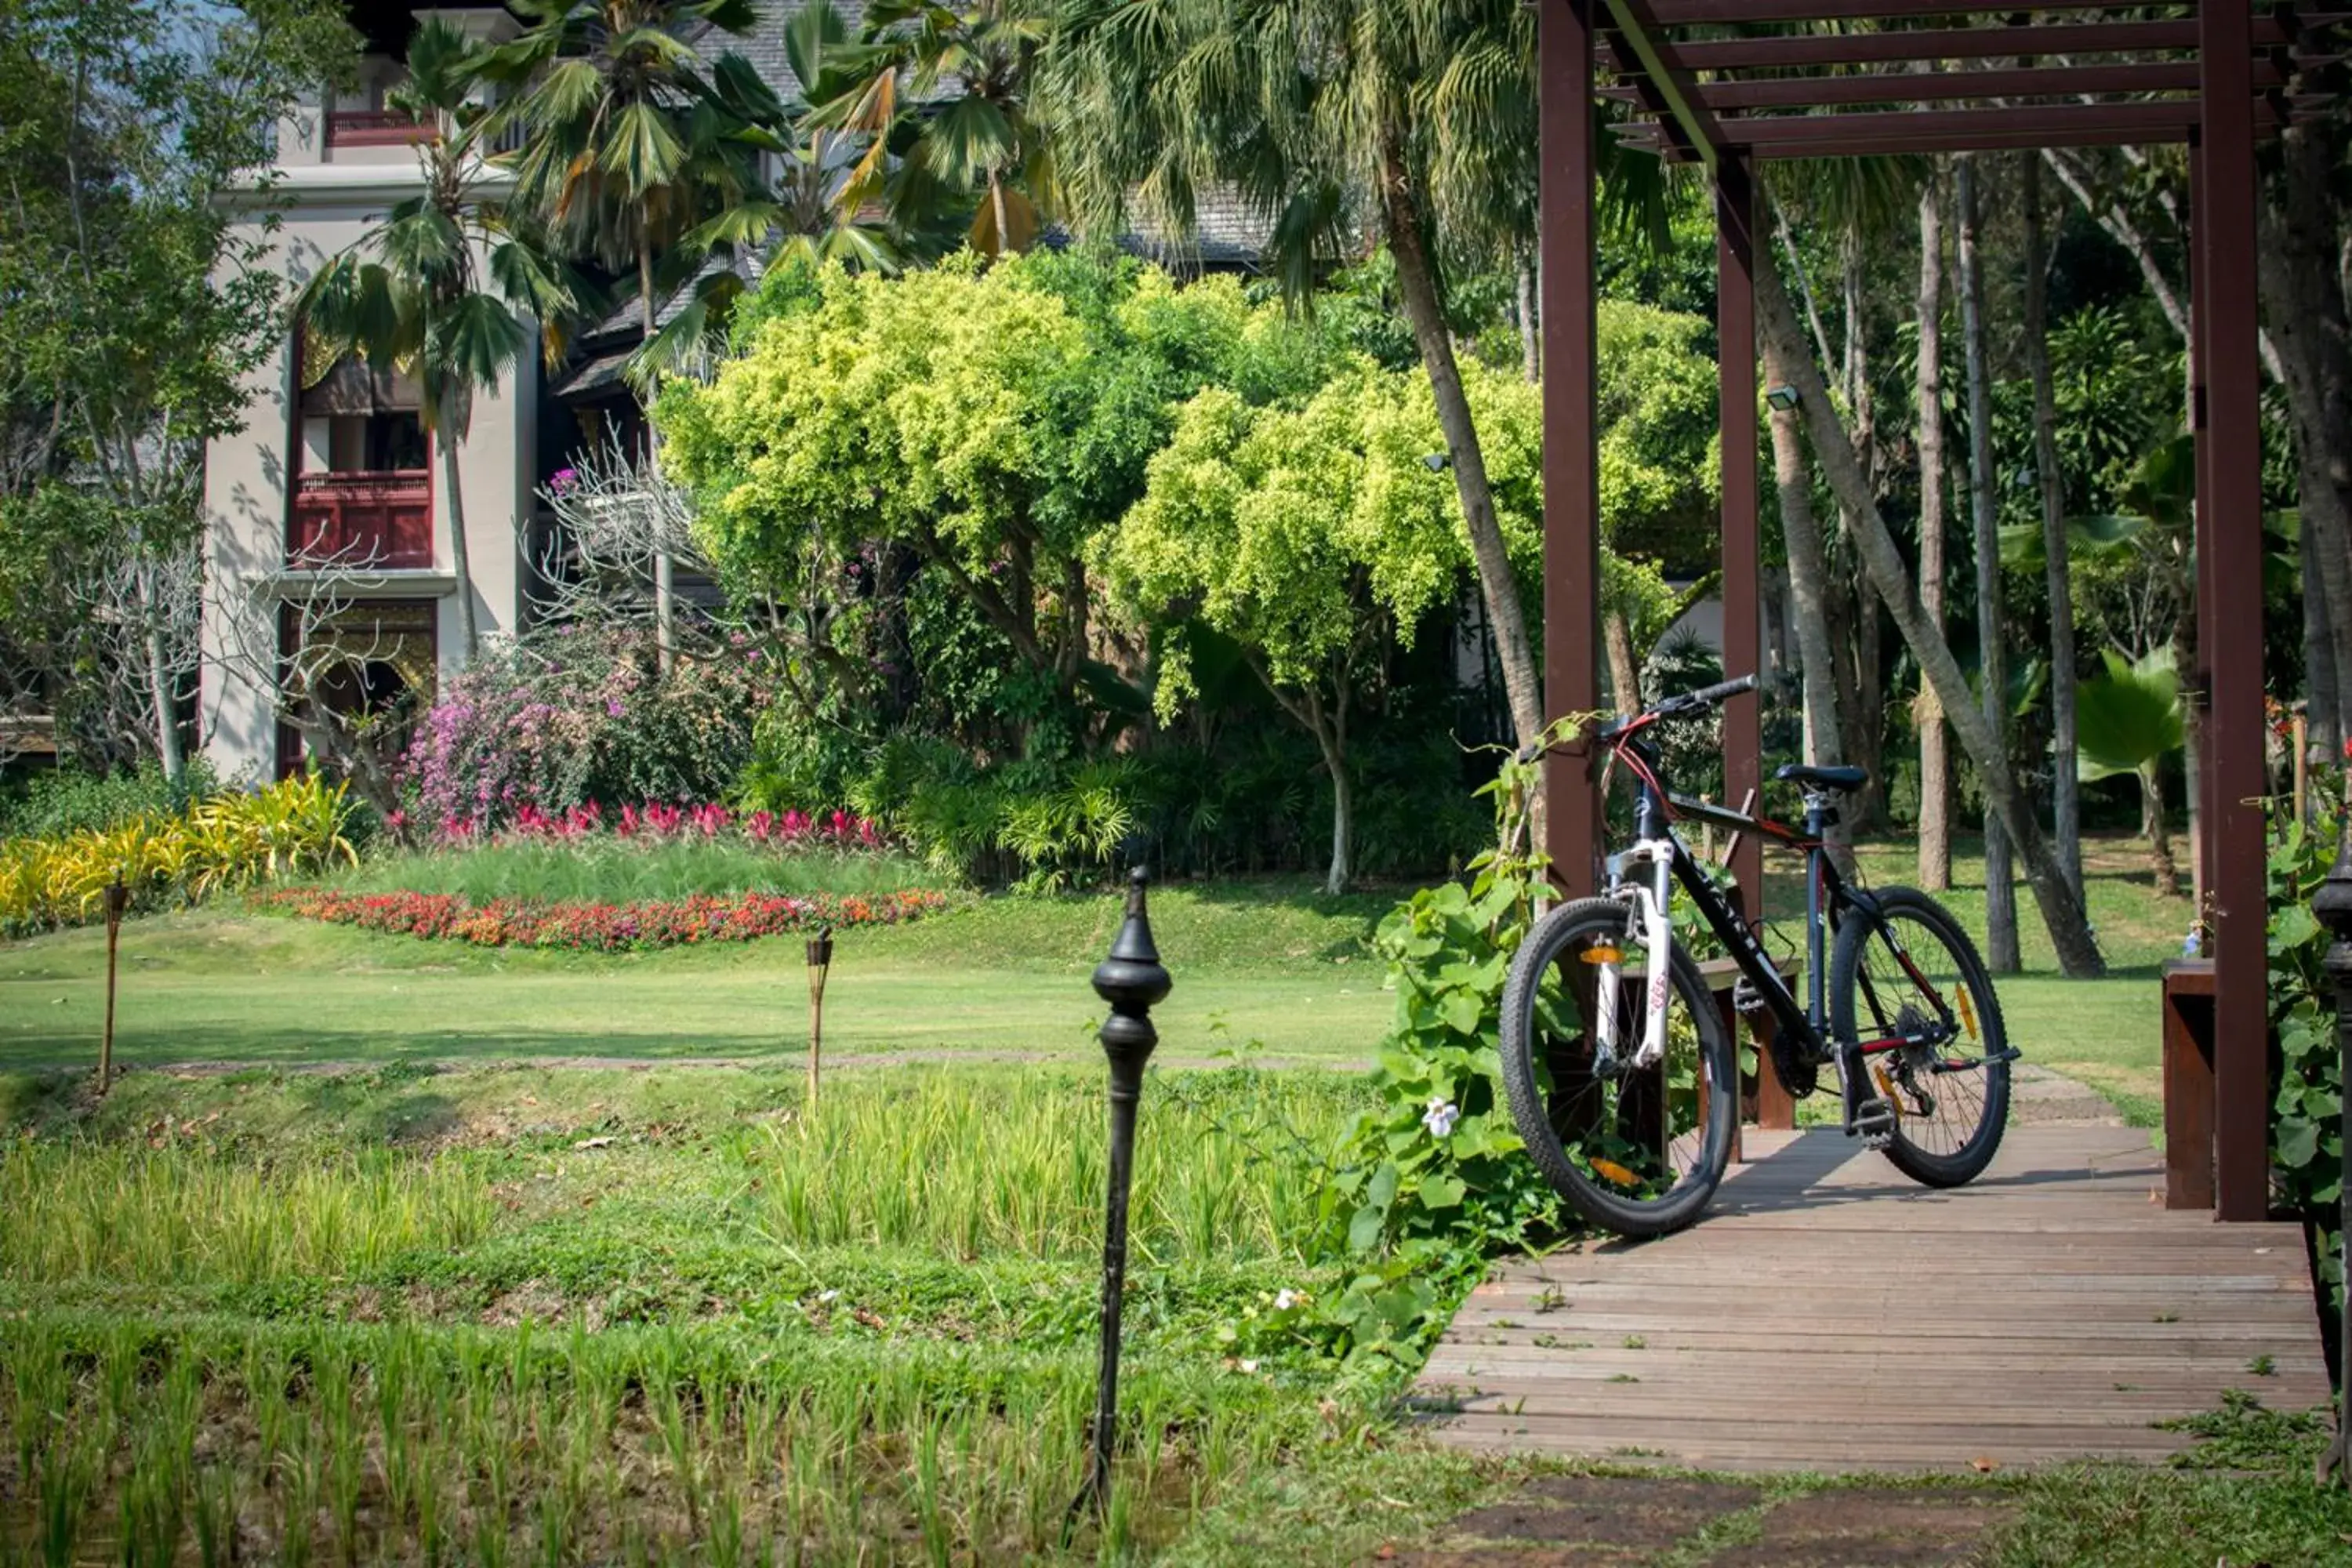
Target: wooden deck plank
<point>1828,1314</point>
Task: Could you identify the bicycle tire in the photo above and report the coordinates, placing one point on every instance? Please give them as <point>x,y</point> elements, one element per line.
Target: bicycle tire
<point>1529,1057</point>
<point>1906,1150</point>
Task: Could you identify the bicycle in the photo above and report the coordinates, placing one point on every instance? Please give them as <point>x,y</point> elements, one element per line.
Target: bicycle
<point>1628,1103</point>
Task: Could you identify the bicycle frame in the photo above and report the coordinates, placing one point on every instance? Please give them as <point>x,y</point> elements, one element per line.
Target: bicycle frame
<point>1829,899</point>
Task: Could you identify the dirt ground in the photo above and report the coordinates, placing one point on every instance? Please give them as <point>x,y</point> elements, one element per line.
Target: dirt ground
<point>1609,1521</point>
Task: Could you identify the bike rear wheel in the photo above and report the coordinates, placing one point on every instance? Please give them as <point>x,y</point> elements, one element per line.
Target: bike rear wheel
<point>1910,970</point>
<point>1637,1150</point>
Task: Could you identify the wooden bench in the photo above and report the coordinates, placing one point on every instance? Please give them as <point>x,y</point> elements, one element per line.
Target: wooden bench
<point>1763,1101</point>
<point>2189,1083</point>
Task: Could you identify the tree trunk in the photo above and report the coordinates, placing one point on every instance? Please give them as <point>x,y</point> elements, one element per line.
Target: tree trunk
<point>1935,750</point>
<point>2065,789</point>
<point>665,569</point>
<point>1530,324</point>
<point>2070,933</point>
<point>2308,318</point>
<point>1417,288</point>
<point>1808,570</point>
<point>1865,725</point>
<point>2192,721</point>
<point>470,634</point>
<point>2324,742</point>
<point>2000,893</point>
<point>1343,818</point>
<point>2160,837</point>
<point>1624,671</point>
<point>162,693</point>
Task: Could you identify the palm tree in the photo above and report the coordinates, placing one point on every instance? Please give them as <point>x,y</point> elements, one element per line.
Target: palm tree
<point>1935,749</point>
<point>628,147</point>
<point>2066,803</point>
<point>409,293</point>
<point>979,138</point>
<point>2000,891</point>
<point>815,214</point>
<point>1413,122</point>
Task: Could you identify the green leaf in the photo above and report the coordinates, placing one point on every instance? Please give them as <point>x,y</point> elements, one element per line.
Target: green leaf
<point>2298,1142</point>
<point>1462,1011</point>
<point>2293,925</point>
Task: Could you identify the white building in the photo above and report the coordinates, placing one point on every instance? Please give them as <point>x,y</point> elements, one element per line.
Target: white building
<point>332,463</point>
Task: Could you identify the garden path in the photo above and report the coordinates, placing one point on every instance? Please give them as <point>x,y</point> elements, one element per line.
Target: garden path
<point>1829,1314</point>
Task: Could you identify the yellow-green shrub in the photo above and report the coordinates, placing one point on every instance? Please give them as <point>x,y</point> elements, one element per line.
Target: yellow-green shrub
<point>233,840</point>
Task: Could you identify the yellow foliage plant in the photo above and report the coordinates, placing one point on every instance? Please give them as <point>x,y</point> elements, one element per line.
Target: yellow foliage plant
<point>233,840</point>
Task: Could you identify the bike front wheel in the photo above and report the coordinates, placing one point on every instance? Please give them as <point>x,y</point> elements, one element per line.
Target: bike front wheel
<point>1909,973</point>
<point>1635,1148</point>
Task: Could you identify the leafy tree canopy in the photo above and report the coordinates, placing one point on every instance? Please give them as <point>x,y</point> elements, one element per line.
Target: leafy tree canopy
<point>993,421</point>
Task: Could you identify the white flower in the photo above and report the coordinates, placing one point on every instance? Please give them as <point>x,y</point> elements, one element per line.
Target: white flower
<point>1440,1116</point>
<point>828,1295</point>
<point>1286,1299</point>
<point>1249,1366</point>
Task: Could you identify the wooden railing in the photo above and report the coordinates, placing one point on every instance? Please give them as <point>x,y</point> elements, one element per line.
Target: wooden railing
<point>351,519</point>
<point>376,128</point>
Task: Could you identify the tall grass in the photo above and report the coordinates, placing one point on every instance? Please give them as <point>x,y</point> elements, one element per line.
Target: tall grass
<point>1227,1166</point>
<point>143,1442</point>
<point>773,1429</point>
<point>619,871</point>
<point>178,1216</point>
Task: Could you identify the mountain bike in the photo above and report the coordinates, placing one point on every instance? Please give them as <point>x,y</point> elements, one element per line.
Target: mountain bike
<point>1621,1073</point>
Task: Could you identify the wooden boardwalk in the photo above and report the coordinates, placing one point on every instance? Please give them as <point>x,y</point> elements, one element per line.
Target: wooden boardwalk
<point>1829,1314</point>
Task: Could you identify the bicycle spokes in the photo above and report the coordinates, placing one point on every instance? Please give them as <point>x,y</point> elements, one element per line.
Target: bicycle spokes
<point>1637,1129</point>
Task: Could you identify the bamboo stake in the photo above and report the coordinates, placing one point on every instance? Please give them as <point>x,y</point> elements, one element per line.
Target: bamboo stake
<point>117,899</point>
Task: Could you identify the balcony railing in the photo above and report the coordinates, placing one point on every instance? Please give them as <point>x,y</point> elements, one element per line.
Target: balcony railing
<point>376,128</point>
<point>352,518</point>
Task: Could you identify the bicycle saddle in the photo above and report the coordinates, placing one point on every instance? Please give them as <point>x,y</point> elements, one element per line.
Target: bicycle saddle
<point>1847,780</point>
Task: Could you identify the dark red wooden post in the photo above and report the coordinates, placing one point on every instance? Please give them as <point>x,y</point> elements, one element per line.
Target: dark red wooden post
<point>2229,537</point>
<point>1743,738</point>
<point>1570,479</point>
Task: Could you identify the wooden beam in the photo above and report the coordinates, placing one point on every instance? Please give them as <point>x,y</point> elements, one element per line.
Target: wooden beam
<point>1797,50</point>
<point>1735,306</point>
<point>1935,86</point>
<point>1568,136</point>
<point>1665,84</point>
<point>2229,535</point>
<point>1684,13</point>
<point>1961,129</point>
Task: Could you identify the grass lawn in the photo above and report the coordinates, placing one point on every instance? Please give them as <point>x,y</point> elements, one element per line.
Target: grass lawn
<point>1006,976</point>
<point>1274,963</point>
<point>484,1294</point>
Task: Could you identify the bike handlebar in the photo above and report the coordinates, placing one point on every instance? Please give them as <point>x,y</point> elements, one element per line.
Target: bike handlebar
<point>1678,707</point>
<point>1704,697</point>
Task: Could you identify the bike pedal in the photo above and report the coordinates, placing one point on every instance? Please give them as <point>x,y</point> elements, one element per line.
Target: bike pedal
<point>1874,1121</point>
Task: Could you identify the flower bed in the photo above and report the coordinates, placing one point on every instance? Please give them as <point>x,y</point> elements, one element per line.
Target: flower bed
<point>598,928</point>
<point>656,821</point>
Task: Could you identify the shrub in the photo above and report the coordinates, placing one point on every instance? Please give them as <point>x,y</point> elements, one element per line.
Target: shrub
<point>58,802</point>
<point>293,828</point>
<point>2308,1114</point>
<point>573,715</point>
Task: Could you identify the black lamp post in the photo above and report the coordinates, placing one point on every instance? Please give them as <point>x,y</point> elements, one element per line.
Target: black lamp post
<point>1130,980</point>
<point>2333,905</point>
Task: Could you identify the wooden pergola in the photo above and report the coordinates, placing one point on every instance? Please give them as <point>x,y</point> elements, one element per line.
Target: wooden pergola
<point>1730,83</point>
